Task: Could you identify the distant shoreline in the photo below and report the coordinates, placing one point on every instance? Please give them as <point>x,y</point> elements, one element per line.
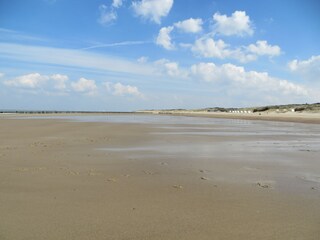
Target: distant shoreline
<point>300,113</point>
<point>58,112</point>
<point>313,118</point>
<point>309,118</point>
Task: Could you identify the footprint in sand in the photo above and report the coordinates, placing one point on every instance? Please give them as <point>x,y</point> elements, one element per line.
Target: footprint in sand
<point>111,180</point>
<point>204,178</point>
<point>35,169</point>
<point>163,163</point>
<point>264,184</point>
<point>250,168</point>
<point>148,172</point>
<point>93,173</point>
<point>177,186</point>
<point>38,144</point>
<point>22,169</point>
<point>40,168</point>
<point>74,173</point>
<point>69,172</point>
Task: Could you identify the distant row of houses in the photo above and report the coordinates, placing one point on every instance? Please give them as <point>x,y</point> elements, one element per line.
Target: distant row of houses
<point>297,109</point>
<point>240,111</point>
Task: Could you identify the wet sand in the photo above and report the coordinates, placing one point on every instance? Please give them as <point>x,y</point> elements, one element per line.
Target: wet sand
<point>231,179</point>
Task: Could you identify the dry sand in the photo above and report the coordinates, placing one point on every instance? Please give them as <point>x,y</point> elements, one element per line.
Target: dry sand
<point>98,180</point>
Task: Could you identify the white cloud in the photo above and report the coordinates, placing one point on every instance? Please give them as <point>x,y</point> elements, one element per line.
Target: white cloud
<point>107,15</point>
<point>72,58</point>
<point>190,25</point>
<point>120,89</point>
<point>60,81</point>
<point>205,71</point>
<point>312,63</point>
<point>164,38</point>
<point>237,24</point>
<point>115,44</point>
<point>263,48</point>
<point>294,65</point>
<point>85,86</point>
<point>153,10</point>
<point>307,69</point>
<point>32,80</point>
<point>237,76</point>
<point>117,3</point>
<point>1,75</point>
<point>241,55</point>
<point>209,48</point>
<point>9,35</point>
<point>142,59</point>
<point>36,80</point>
<point>166,67</point>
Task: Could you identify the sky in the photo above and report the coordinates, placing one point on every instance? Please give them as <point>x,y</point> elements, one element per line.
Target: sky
<point>125,55</point>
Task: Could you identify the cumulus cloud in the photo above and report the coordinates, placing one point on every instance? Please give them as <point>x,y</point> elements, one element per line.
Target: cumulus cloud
<point>237,24</point>
<point>190,25</point>
<point>1,75</point>
<point>60,81</point>
<point>84,85</point>
<point>117,3</point>
<point>171,69</point>
<point>120,89</point>
<point>263,48</point>
<point>241,55</point>
<point>313,62</point>
<point>107,15</point>
<point>164,38</point>
<point>153,10</point>
<point>307,69</point>
<point>32,80</point>
<point>37,80</point>
<point>238,76</point>
<point>205,71</point>
<point>209,48</point>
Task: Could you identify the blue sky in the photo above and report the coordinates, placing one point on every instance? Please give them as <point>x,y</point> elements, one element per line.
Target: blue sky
<point>120,55</point>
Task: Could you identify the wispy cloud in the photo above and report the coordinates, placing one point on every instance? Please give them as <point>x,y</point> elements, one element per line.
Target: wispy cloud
<point>117,44</point>
<point>13,35</point>
<point>72,58</point>
<point>107,15</point>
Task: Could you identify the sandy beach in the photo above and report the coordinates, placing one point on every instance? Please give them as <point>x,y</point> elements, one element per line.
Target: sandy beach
<point>158,177</point>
